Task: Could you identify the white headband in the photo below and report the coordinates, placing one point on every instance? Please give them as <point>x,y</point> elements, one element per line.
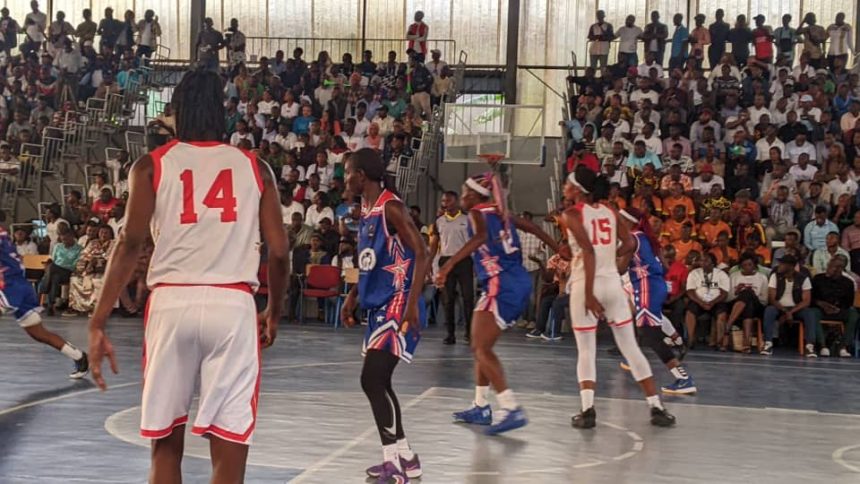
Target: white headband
<point>471,183</point>
<point>572,179</point>
<point>629,217</point>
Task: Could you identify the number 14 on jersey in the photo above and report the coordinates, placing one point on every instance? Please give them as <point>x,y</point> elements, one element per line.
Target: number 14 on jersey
<point>220,195</point>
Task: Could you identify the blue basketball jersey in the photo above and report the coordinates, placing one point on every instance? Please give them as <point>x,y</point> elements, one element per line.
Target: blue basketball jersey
<point>501,252</point>
<point>644,262</point>
<point>386,264</point>
<point>10,262</point>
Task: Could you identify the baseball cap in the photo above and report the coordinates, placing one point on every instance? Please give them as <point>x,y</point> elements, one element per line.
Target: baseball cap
<point>707,168</point>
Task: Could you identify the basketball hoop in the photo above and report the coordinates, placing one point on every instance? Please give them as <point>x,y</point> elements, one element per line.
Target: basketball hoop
<point>492,159</point>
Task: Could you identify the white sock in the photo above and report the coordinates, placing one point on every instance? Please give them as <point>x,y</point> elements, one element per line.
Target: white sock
<point>71,352</point>
<point>404,450</point>
<point>389,454</point>
<point>587,397</point>
<point>506,400</point>
<point>679,372</point>
<point>481,394</point>
<point>654,401</point>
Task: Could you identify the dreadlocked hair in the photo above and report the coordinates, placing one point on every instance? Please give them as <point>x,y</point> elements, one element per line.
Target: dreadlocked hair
<point>198,101</point>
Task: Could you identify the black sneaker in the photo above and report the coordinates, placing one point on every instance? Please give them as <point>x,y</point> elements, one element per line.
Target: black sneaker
<point>450,340</point>
<point>661,418</point>
<point>533,334</point>
<point>82,367</point>
<point>585,419</point>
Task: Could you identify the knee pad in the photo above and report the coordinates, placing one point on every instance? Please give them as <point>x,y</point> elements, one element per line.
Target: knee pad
<point>586,364</point>
<point>625,338</point>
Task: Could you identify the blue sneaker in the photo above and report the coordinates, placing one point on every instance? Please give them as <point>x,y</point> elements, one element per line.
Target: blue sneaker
<point>511,420</point>
<point>681,387</point>
<point>475,415</point>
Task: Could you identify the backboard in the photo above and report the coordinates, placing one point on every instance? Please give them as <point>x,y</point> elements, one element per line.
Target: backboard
<point>512,130</point>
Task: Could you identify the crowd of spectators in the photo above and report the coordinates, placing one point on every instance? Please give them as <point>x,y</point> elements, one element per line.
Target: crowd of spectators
<point>748,169</point>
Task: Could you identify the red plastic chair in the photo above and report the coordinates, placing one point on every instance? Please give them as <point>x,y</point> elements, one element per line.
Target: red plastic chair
<point>322,282</point>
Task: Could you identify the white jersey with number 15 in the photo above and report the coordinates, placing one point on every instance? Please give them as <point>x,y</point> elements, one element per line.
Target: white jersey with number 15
<point>601,226</point>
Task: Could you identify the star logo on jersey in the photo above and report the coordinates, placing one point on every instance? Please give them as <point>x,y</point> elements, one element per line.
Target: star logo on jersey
<point>491,264</point>
<point>400,269</point>
<point>367,259</point>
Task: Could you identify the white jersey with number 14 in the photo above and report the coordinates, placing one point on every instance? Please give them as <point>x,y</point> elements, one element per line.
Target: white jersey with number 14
<point>601,226</point>
<point>206,224</point>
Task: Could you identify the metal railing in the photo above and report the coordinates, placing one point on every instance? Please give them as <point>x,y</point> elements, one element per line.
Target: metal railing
<point>256,47</point>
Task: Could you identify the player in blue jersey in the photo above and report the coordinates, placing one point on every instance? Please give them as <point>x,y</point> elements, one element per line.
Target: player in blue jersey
<point>18,296</point>
<point>648,292</point>
<point>505,291</point>
<point>393,263</point>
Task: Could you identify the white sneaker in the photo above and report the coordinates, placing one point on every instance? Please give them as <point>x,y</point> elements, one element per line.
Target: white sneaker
<point>768,348</point>
<point>810,351</point>
<point>825,352</point>
<point>843,353</point>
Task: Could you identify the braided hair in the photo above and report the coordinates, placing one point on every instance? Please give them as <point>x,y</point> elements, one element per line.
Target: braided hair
<point>199,104</point>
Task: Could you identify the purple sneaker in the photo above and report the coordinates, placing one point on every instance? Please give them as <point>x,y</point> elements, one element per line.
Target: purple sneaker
<point>389,474</point>
<point>412,468</point>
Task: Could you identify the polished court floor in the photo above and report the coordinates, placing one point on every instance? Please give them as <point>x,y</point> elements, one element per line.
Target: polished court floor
<point>755,420</point>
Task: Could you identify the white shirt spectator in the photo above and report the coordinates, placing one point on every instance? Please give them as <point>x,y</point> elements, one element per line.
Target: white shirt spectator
<point>814,113</point>
<point>627,38</point>
<point>841,42</point>
<point>838,187</point>
<point>793,151</point>
<point>704,187</point>
<point>757,113</point>
<point>708,286</point>
<point>288,211</point>
<point>286,142</point>
<point>27,248</point>
<point>71,62</point>
<point>237,137</point>
<point>354,142</point>
<point>285,173</point>
<point>757,282</point>
<point>651,144</point>
<point>803,174</point>
<point>386,124</point>
<point>643,70</point>
<point>290,111</point>
<point>763,146</point>
<point>361,126</point>
<point>314,216</point>
<point>654,117</point>
<point>787,300</point>
<point>638,95</point>
<point>325,173</point>
<point>265,107</point>
<point>848,121</point>
<point>622,128</point>
<point>800,70</point>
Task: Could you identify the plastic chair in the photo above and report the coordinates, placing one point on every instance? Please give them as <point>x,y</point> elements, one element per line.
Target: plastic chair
<point>322,282</point>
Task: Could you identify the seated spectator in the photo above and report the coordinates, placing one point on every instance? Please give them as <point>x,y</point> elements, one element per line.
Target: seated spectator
<point>677,196</point>
<point>322,169</point>
<point>686,243</point>
<point>780,212</point>
<point>707,289</point>
<point>748,298</point>
<point>673,227</point>
<point>754,245</point>
<point>580,156</point>
<point>289,206</point>
<point>103,206</point>
<point>641,157</point>
<point>706,179</point>
<point>299,232</point>
<point>374,139</point>
<point>74,210</point>
<point>711,229</point>
<point>242,134</point>
<point>85,284</point>
<point>99,183</point>
<point>789,298</point>
<point>676,283</point>
<point>554,298</point>
<point>318,211</point>
<point>302,124</point>
<point>821,257</point>
<point>726,256</point>
<point>815,233</point>
<point>330,236</point>
<point>833,299</point>
<point>346,257</point>
<point>317,255</point>
<point>23,244</point>
<point>349,224</point>
<point>64,257</point>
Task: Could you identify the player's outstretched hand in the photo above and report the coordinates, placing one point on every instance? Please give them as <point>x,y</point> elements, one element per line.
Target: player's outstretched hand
<point>347,312</point>
<point>593,306</point>
<point>101,347</point>
<point>268,328</point>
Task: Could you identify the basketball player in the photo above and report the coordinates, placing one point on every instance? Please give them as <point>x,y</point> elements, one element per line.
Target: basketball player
<point>505,292</point>
<point>206,204</point>
<point>596,239</point>
<point>393,261</point>
<point>648,290</point>
<point>18,296</point>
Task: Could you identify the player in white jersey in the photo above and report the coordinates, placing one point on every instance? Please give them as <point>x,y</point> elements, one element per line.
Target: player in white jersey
<point>597,240</point>
<point>205,204</point>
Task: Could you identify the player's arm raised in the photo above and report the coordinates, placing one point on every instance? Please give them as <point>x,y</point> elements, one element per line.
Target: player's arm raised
<point>573,221</point>
<point>479,227</point>
<point>278,245</point>
<point>127,248</point>
<point>398,217</point>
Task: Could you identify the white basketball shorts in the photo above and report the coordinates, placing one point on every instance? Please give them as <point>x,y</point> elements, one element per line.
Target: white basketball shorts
<point>207,334</point>
<point>610,293</point>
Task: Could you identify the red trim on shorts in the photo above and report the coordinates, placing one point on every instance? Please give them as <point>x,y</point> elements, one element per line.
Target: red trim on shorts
<point>587,328</point>
<point>143,357</point>
<point>238,286</point>
<point>255,168</point>
<point>162,433</point>
<point>622,323</point>
<point>156,155</point>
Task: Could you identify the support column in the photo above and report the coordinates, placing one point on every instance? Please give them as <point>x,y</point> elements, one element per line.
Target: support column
<point>195,25</point>
<point>512,52</point>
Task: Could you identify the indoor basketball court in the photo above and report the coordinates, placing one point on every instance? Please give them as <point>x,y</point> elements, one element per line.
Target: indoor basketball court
<point>753,420</point>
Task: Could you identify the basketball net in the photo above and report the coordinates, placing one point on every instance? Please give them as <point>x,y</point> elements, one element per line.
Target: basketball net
<point>500,194</point>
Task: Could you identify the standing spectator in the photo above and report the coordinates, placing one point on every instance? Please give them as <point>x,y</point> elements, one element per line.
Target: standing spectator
<point>762,38</point>
<point>417,34</point>
<point>789,297</point>
<point>235,40</point>
<point>740,37</point>
<point>436,65</point>
<point>699,39</point>
<point>680,43</point>
<point>37,17</point>
<point>813,40</point>
<point>86,30</point>
<point>450,235</point>
<point>58,33</point>
<point>841,37</point>
<point>833,299</point>
<point>655,36</point>
<point>209,42</point>
<point>707,290</point>
<point>822,257</point>
<point>128,28</point>
<point>719,31</point>
<point>420,81</point>
<point>148,31</point>
<point>749,295</point>
<point>600,34</point>
<point>851,243</point>
<point>628,35</point>
<point>9,28</point>
<point>530,246</point>
<point>785,38</point>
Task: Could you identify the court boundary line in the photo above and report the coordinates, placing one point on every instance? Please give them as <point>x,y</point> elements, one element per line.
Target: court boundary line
<point>838,454</point>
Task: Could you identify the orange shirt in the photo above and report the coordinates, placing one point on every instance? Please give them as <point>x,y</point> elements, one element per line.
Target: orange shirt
<point>709,232</point>
<point>672,229</point>
<point>751,207</point>
<point>638,202</point>
<point>683,248</point>
<point>670,202</point>
<point>729,259</point>
<point>764,253</point>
